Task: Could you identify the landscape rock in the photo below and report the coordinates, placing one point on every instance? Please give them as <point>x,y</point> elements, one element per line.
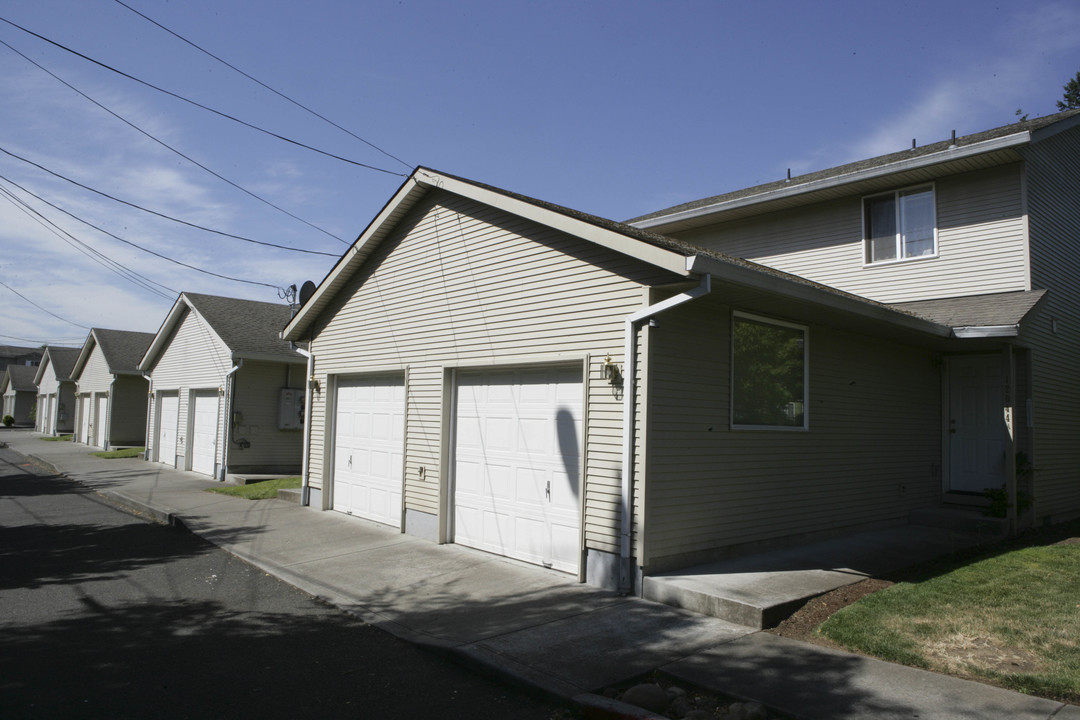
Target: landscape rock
<point>647,695</point>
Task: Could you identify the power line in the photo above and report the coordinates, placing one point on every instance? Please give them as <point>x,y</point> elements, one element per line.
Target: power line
<point>261,83</point>
<point>69,322</point>
<point>135,245</point>
<point>64,341</point>
<point>98,257</point>
<point>158,214</point>
<point>200,105</point>
<point>171,148</point>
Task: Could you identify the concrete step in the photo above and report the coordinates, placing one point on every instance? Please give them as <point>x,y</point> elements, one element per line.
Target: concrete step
<point>289,495</point>
<point>964,519</point>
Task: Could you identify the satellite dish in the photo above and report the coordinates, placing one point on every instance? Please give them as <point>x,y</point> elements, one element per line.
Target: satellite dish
<point>306,291</point>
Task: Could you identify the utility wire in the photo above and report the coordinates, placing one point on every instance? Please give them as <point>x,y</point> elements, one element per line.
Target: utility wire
<point>41,308</point>
<point>135,245</point>
<point>65,341</point>
<point>98,257</point>
<point>261,83</point>
<point>200,105</point>
<point>161,215</point>
<point>171,148</point>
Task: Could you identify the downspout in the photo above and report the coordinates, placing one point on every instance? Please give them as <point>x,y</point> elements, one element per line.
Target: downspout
<point>229,387</point>
<point>150,448</point>
<point>106,431</point>
<point>305,484</point>
<point>630,325</point>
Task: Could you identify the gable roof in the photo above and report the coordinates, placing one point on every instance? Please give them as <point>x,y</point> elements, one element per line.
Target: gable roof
<point>681,258</point>
<point>122,350</point>
<point>15,351</point>
<point>250,329</point>
<point>969,152</point>
<point>19,378</point>
<point>60,359</point>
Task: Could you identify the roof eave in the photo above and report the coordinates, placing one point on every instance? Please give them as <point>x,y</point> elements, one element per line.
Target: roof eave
<point>986,331</point>
<point>949,155</point>
<point>84,354</point>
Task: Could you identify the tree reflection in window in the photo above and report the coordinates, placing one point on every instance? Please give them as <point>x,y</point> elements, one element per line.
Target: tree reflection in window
<point>769,374</point>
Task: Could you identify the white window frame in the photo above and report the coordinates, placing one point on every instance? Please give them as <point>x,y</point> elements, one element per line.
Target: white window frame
<point>805,330</point>
<point>868,261</point>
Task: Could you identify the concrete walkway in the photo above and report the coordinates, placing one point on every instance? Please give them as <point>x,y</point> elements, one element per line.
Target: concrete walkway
<point>528,624</point>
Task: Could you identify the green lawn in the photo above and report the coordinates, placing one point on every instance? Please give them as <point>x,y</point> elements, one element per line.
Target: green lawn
<point>58,438</point>
<point>258,491</point>
<point>115,454</point>
<point>1009,616</point>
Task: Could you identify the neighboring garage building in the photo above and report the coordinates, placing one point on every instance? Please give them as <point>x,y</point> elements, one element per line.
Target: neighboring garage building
<point>474,357</point>
<point>19,392</point>
<point>226,392</point>
<point>56,391</point>
<point>111,394</point>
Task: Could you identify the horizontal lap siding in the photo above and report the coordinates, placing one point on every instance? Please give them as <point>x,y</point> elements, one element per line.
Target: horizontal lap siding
<point>95,376</point>
<point>460,283</point>
<point>1054,208</point>
<point>871,455</point>
<point>981,242</point>
<point>258,388</point>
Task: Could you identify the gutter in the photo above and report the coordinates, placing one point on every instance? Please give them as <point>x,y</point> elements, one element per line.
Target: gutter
<point>305,485</point>
<point>630,325</point>
<point>229,386</point>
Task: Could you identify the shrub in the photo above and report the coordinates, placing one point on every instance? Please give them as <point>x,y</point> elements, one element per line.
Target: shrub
<point>8,421</point>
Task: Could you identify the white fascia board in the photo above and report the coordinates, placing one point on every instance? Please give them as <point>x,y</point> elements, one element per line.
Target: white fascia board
<point>84,354</point>
<point>795,290</point>
<point>986,331</point>
<point>959,153</point>
<point>268,357</point>
<point>46,359</point>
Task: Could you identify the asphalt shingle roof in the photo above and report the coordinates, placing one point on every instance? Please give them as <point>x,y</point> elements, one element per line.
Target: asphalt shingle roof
<point>123,349</point>
<point>63,360</point>
<point>247,327</point>
<point>21,377</point>
<point>976,310</point>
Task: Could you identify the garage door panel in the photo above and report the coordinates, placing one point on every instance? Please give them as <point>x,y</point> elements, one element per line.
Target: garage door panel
<point>168,411</point>
<point>517,433</point>
<point>102,421</point>
<point>369,448</point>
<point>204,430</point>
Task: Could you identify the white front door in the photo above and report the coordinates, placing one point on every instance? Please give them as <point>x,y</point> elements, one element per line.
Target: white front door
<point>204,425</point>
<point>369,448</point>
<point>86,410</point>
<point>101,421</point>
<point>977,431</point>
<point>167,418</point>
<point>517,464</point>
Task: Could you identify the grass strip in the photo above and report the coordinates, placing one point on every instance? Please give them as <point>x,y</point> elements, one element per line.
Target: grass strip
<point>58,438</point>
<point>117,454</point>
<point>258,491</point>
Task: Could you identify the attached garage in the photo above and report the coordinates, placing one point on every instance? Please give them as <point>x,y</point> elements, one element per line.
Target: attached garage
<point>204,431</point>
<point>517,464</point>
<point>369,446</point>
<point>167,414</point>
<point>102,420</point>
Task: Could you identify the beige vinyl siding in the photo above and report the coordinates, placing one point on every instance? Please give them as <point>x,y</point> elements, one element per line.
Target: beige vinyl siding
<point>95,376</point>
<point>258,387</point>
<point>194,358</point>
<point>461,284</point>
<point>981,242</point>
<point>1054,207</point>
<point>872,452</point>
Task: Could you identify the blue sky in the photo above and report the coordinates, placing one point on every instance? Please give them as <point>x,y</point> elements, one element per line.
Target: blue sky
<point>613,108</point>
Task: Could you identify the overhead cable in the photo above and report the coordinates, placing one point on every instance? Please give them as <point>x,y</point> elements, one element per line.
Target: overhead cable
<point>200,105</point>
<point>92,253</point>
<point>135,245</point>
<point>161,215</point>
<point>69,322</point>
<point>174,150</point>
<point>261,83</point>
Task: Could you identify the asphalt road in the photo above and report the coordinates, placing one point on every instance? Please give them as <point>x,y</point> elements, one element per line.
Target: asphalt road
<point>104,614</point>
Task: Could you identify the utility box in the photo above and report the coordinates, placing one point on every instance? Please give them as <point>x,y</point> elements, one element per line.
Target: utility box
<point>291,409</point>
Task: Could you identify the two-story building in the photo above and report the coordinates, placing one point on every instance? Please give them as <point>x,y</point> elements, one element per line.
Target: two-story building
<point>822,355</point>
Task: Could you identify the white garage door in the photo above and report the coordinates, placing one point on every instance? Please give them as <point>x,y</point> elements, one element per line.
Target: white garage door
<point>204,423</point>
<point>369,446</point>
<point>168,412</point>
<point>102,420</point>
<point>517,459</point>
<point>86,409</point>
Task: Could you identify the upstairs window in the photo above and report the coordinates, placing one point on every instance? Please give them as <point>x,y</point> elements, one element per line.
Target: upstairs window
<point>768,369</point>
<point>900,225</point>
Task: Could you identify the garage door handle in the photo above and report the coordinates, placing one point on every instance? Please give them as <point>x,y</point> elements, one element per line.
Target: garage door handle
<point>548,490</point>
<point>350,462</point>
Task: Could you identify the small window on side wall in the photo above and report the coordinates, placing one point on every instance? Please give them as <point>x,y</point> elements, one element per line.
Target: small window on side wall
<point>900,225</point>
<point>768,374</point>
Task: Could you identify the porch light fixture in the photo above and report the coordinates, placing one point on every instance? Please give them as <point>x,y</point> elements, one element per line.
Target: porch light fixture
<point>610,371</point>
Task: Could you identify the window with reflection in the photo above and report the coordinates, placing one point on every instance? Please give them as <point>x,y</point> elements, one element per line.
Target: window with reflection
<point>768,367</point>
